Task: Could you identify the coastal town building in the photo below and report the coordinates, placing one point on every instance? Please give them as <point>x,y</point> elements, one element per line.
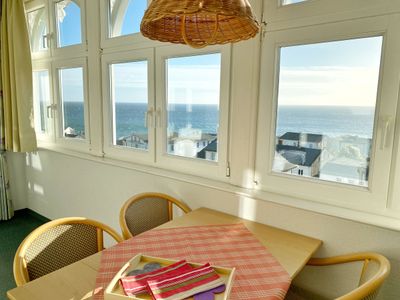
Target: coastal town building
<point>135,140</point>
<point>300,139</point>
<point>306,160</point>
<point>210,151</point>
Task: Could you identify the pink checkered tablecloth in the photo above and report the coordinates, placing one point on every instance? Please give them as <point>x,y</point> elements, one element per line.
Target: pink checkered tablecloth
<point>258,274</point>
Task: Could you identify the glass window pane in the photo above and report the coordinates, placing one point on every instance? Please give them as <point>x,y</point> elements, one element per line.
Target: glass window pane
<point>41,99</point>
<point>68,15</point>
<point>72,97</point>
<point>129,91</point>
<point>125,16</point>
<point>326,108</point>
<point>37,28</point>
<point>193,91</point>
<point>287,2</point>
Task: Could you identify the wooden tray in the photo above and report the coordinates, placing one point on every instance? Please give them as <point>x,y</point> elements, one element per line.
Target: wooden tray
<point>114,290</point>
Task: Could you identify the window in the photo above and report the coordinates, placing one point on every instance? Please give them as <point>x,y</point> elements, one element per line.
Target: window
<point>129,117</point>
<point>193,91</point>
<point>125,16</point>
<point>326,106</point>
<point>326,109</point>
<point>184,120</point>
<point>72,102</point>
<point>130,104</point>
<point>192,109</point>
<point>177,119</point>
<point>38,29</point>
<point>120,24</point>
<point>42,104</point>
<point>68,20</point>
<point>59,72</point>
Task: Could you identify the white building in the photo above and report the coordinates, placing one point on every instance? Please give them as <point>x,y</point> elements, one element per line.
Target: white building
<point>306,160</point>
<point>306,140</point>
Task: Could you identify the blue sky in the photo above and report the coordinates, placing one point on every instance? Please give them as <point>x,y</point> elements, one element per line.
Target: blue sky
<point>69,24</point>
<point>194,79</point>
<point>70,31</point>
<point>71,84</point>
<point>133,17</point>
<point>343,73</point>
<point>129,83</point>
<point>191,80</point>
<point>350,53</point>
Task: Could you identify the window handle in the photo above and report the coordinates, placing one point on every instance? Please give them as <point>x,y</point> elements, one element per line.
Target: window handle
<point>158,118</point>
<point>45,40</point>
<point>148,117</point>
<point>386,122</point>
<point>49,110</point>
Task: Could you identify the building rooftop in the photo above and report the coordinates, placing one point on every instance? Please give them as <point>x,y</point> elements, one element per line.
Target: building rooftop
<point>307,137</point>
<point>298,155</point>
<point>211,147</point>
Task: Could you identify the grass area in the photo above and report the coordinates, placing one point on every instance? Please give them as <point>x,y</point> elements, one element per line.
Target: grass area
<point>12,232</point>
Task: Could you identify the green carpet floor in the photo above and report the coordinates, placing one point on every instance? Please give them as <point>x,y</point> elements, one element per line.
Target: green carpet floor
<point>12,232</point>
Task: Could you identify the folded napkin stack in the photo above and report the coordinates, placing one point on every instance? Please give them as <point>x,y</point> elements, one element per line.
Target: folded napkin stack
<point>174,282</point>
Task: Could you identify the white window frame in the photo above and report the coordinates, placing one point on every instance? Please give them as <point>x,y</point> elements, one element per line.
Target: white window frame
<point>103,51</point>
<point>74,50</point>
<point>55,58</point>
<point>71,143</point>
<point>47,136</point>
<point>372,199</point>
<point>30,7</point>
<point>311,12</point>
<point>124,41</point>
<point>119,152</point>
<point>202,167</point>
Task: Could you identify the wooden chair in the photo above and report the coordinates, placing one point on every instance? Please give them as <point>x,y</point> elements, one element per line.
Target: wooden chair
<point>145,211</point>
<point>369,282</point>
<point>57,244</point>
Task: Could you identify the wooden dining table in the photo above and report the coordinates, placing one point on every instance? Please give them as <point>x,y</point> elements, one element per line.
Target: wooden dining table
<point>77,281</point>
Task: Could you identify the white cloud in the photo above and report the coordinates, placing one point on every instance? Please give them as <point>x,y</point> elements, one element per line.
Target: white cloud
<point>189,84</point>
<point>194,84</point>
<point>328,86</point>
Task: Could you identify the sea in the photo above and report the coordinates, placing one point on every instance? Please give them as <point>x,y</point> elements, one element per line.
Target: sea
<point>331,121</point>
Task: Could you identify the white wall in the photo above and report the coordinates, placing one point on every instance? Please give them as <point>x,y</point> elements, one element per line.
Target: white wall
<point>61,185</point>
<point>16,167</point>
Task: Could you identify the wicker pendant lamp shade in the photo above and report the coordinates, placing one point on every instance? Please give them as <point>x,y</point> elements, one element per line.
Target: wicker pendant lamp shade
<point>199,23</point>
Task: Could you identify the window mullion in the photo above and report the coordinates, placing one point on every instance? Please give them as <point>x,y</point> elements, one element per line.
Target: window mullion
<point>94,79</point>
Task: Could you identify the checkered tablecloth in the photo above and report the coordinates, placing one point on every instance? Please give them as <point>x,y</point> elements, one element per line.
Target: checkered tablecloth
<point>258,274</point>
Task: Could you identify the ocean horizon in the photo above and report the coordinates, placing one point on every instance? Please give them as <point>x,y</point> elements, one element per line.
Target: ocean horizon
<point>331,121</point>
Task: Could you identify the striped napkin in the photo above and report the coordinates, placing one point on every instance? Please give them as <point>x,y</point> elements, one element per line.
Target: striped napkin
<point>186,284</point>
<point>134,285</point>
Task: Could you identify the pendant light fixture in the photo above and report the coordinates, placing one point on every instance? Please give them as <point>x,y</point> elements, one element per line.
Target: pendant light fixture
<point>199,23</point>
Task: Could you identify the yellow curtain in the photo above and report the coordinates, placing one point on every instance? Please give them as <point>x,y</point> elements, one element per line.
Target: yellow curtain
<point>16,71</point>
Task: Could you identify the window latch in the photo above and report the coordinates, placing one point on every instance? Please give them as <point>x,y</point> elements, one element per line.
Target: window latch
<point>386,122</point>
<point>228,170</point>
<point>158,118</point>
<point>263,27</point>
<point>148,116</point>
<point>46,40</point>
<point>50,110</point>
